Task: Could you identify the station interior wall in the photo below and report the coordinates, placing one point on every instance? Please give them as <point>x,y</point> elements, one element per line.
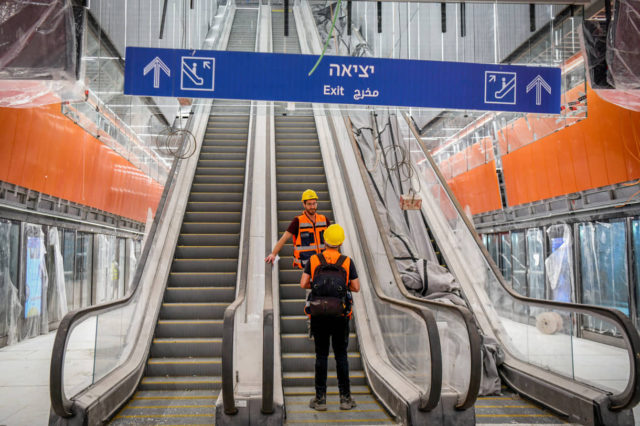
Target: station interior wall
<point>603,149</point>
<point>43,150</point>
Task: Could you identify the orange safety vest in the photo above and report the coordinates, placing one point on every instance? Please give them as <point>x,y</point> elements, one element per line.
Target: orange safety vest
<point>331,255</point>
<point>310,238</point>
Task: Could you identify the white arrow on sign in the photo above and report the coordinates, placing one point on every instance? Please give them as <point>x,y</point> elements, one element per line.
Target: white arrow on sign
<point>539,84</point>
<point>156,65</point>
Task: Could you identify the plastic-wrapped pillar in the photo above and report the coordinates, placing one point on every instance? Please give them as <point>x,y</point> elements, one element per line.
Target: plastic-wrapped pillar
<point>57,301</point>
<point>10,308</point>
<point>35,283</point>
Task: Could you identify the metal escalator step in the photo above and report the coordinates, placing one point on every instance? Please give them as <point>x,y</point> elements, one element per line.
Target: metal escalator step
<point>169,407</point>
<point>189,328</point>
<point>300,162</point>
<point>219,179</point>
<point>298,362</point>
<point>206,252</point>
<point>196,239</point>
<point>214,206</point>
<point>306,378</point>
<point>199,185</point>
<point>186,347</point>
<point>218,197</point>
<point>295,391</point>
<point>298,149</point>
<point>184,367</point>
<point>214,149</point>
<point>299,170</point>
<point>193,310</point>
<point>212,216</point>
<point>210,227</point>
<point>223,156</point>
<point>299,187</point>
<point>291,306</point>
<point>181,382</point>
<point>191,279</point>
<point>204,265</point>
<point>232,183</point>
<point>220,171</point>
<point>221,162</point>
<point>302,156</point>
<point>302,178</point>
<point>292,291</point>
<point>293,324</point>
<point>199,294</point>
<point>296,343</point>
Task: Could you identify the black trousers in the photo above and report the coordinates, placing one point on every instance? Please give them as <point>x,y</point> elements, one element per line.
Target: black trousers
<point>334,330</point>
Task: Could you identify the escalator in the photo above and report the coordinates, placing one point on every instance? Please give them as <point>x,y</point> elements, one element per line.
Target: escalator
<point>183,374</point>
<point>299,166</point>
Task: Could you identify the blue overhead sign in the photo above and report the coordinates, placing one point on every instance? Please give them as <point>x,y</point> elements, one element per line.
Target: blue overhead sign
<point>341,79</point>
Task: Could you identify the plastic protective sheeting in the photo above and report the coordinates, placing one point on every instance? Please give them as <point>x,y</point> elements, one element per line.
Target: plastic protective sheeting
<point>133,263</point>
<point>10,307</point>
<point>613,56</point>
<point>559,264</point>
<point>57,300</point>
<point>391,175</point>
<point>37,47</point>
<point>106,269</point>
<point>35,318</point>
<point>623,46</point>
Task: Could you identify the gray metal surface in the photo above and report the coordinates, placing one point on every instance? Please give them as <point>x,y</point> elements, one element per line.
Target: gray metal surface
<point>183,376</point>
<point>299,166</point>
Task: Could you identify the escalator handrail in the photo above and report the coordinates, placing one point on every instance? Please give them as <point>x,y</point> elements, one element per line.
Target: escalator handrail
<point>630,396</point>
<point>475,340</point>
<point>268,347</point>
<point>61,405</point>
<point>228,322</point>
<point>429,401</point>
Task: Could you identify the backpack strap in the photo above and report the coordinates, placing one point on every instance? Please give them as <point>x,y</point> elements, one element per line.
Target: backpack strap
<point>341,260</point>
<point>322,260</point>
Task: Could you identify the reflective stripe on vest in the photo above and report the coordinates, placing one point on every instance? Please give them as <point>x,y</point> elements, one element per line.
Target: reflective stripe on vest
<point>310,238</point>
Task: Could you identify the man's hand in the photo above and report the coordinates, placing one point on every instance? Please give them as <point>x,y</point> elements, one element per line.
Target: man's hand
<point>271,258</point>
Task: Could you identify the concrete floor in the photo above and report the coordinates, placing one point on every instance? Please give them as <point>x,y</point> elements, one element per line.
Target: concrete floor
<point>24,382</point>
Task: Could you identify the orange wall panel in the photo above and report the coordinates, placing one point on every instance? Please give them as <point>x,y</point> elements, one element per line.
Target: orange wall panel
<point>601,150</point>
<point>43,150</point>
<point>478,189</point>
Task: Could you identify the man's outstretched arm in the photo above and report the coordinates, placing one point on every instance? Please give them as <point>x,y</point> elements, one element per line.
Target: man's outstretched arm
<point>281,242</point>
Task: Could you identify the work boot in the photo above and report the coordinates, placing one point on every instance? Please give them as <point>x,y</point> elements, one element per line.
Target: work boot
<point>319,403</point>
<point>346,402</point>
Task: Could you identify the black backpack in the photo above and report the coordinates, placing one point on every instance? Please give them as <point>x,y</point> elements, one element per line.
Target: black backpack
<point>329,290</point>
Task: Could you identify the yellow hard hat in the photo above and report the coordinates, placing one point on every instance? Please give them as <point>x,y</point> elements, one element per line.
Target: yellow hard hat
<point>309,194</point>
<point>334,235</point>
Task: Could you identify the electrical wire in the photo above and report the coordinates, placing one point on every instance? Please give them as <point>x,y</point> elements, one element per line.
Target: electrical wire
<point>328,38</point>
<point>179,143</point>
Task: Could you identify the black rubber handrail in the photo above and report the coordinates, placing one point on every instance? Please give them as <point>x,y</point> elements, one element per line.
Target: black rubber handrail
<point>429,401</point>
<point>268,348</point>
<point>228,324</point>
<point>630,396</point>
<point>60,404</point>
<point>475,340</point>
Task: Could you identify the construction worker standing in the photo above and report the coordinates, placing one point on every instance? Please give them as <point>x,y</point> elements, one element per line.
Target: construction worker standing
<point>307,231</point>
<point>330,276</point>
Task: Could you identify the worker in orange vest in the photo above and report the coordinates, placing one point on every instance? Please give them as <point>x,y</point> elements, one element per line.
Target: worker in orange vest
<point>331,277</point>
<point>307,230</point>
